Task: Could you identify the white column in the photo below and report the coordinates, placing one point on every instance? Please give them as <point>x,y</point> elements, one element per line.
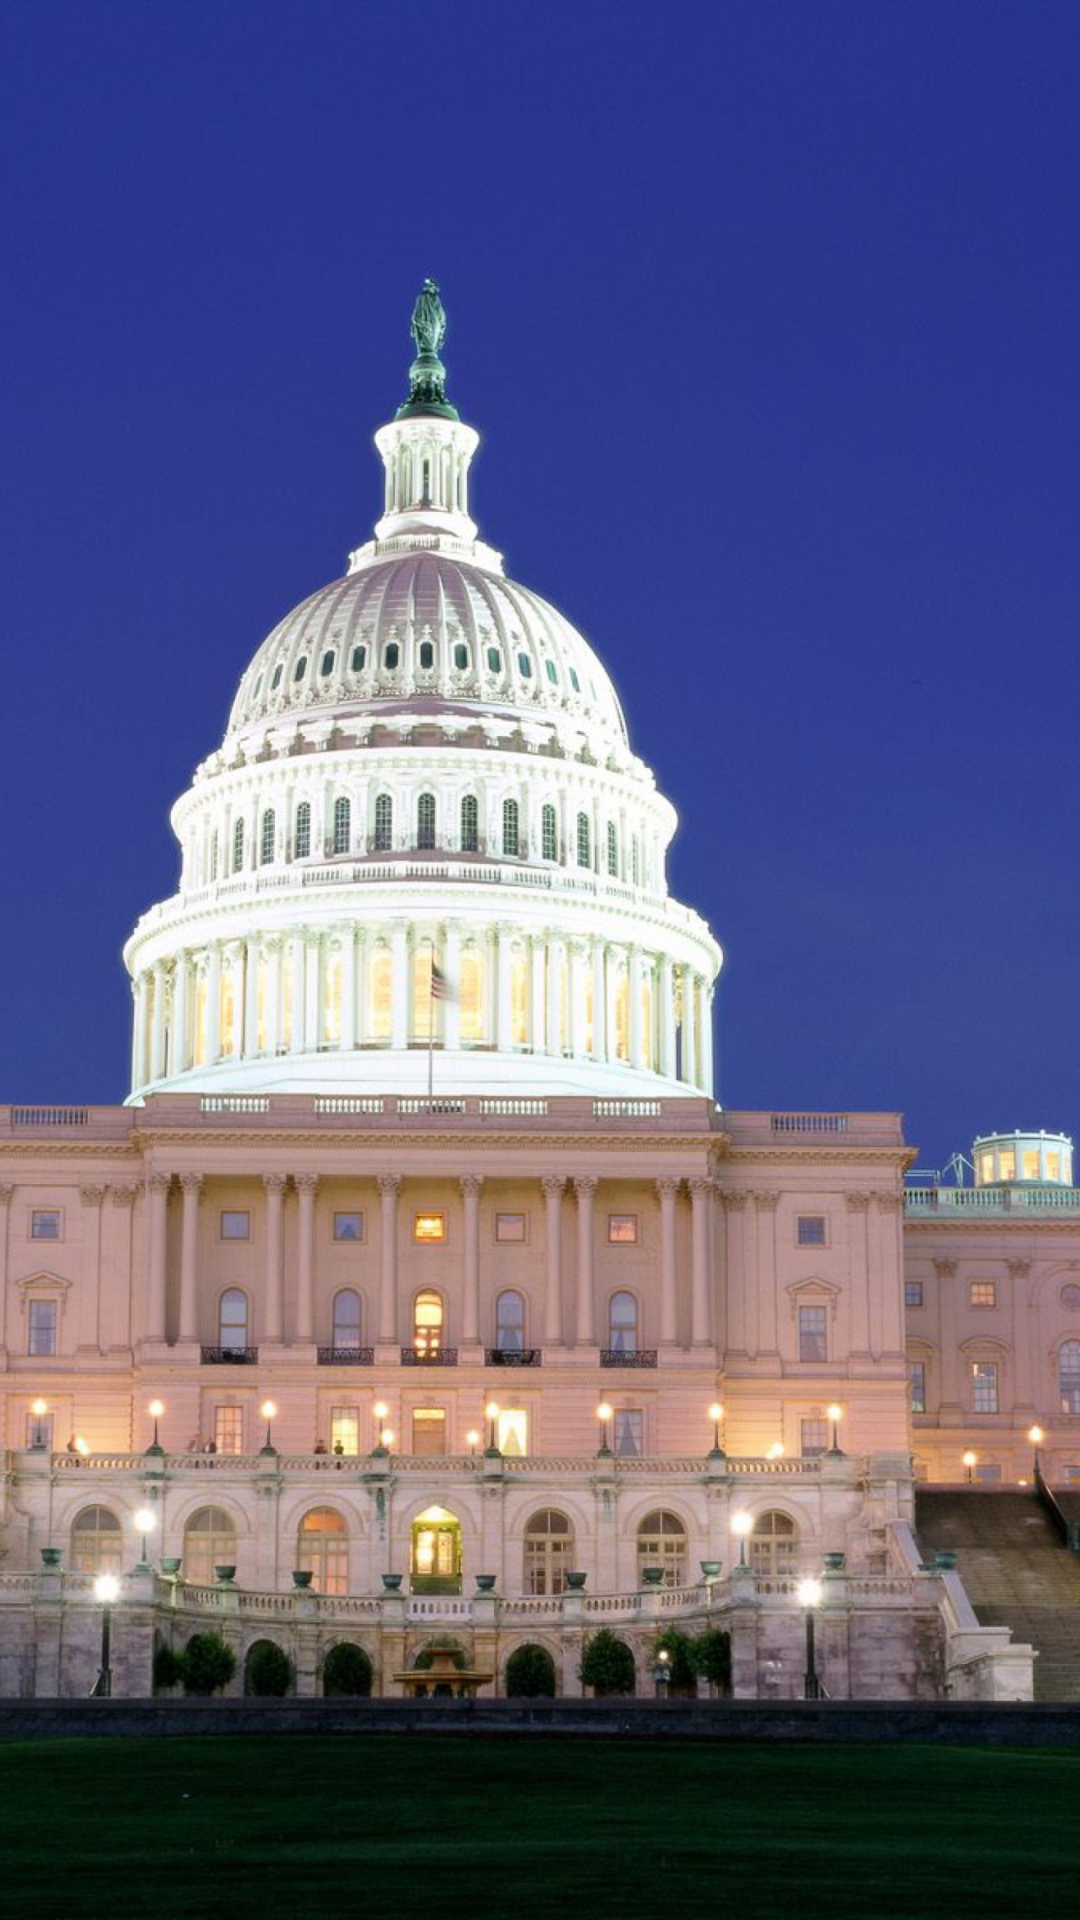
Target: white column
<point>362,952</point>
<point>157,1027</point>
<point>556,961</point>
<point>471,1184</point>
<point>250,1043</point>
<point>451,966</point>
<point>273,1302</point>
<point>399,985</point>
<point>633,988</point>
<point>537,993</point>
<point>705,1041</point>
<point>274,951</point>
<point>158,1199</point>
<point>213,1002</point>
<point>599,1002</point>
<point>503,1022</point>
<point>139,993</point>
<point>348,989</point>
<point>181,1027</point>
<point>307,1185</point>
<point>575,960</point>
<point>388,1185</point>
<point>701,1192</point>
<point>90,1302</point>
<point>313,1012</point>
<point>191,1187</point>
<point>689,1030</point>
<point>668,1190</point>
<point>585,1189</point>
<point>553,1185</point>
<point>298,1034</point>
<point>665,993</point>
<point>611,993</point>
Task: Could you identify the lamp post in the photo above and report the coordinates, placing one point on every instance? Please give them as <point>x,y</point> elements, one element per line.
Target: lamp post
<point>268,1410</point>
<point>491,1415</point>
<point>39,1408</point>
<point>82,1447</point>
<point>145,1522</point>
<point>1036,1436</point>
<point>969,1458</point>
<point>809,1592</point>
<point>380,1411</point>
<point>661,1673</point>
<point>716,1414</point>
<point>106,1592</point>
<point>742,1525</point>
<point>835,1414</point>
<point>472,1441</point>
<point>603,1414</point>
<point>155,1410</point>
<point>386,1440</point>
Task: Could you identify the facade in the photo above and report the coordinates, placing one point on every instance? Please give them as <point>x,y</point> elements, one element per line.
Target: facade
<point>421,1287</point>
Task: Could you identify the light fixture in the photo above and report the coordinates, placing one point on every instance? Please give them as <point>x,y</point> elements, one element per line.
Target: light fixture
<point>969,1459</point>
<point>106,1593</point>
<point>268,1410</point>
<point>491,1415</point>
<point>472,1441</point>
<point>742,1524</point>
<point>604,1414</point>
<point>776,1451</point>
<point>39,1408</point>
<point>716,1414</point>
<point>1036,1436</point>
<point>155,1410</point>
<point>82,1446</point>
<point>145,1522</point>
<point>809,1596</point>
<point>835,1414</point>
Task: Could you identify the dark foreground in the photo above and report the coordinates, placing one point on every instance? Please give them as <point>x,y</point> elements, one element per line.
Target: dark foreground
<point>490,1827</point>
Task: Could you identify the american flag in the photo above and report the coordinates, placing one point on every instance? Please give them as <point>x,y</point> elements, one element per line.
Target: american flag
<point>440,985</point>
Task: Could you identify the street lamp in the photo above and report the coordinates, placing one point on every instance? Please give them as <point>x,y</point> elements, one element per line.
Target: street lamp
<point>603,1414</point>
<point>472,1441</point>
<point>380,1410</point>
<point>742,1525</point>
<point>809,1595</point>
<point>106,1592</point>
<point>1036,1436</point>
<point>145,1522</point>
<point>661,1673</point>
<point>268,1410</point>
<point>969,1459</point>
<point>835,1414</point>
<point>155,1410</point>
<point>82,1447</point>
<point>386,1440</point>
<point>716,1414</point>
<point>491,1415</point>
<point>39,1409</point>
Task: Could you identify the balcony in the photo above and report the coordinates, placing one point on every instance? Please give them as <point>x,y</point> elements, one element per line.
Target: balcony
<point>429,1357</point>
<point>346,1356</point>
<point>613,1357</point>
<point>512,1356</point>
<point>230,1356</point>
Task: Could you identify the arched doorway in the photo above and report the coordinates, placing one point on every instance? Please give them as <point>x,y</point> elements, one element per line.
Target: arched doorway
<point>435,1559</point>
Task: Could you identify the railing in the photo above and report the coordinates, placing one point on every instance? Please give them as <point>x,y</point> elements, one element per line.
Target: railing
<point>1067,1530</point>
<point>345,1356</point>
<point>513,1356</point>
<point>438,1357</point>
<point>234,1103</point>
<point>810,1123</point>
<point>50,1116</point>
<point>543,1465</point>
<point>229,1356</point>
<point>347,1103</point>
<point>1002,1199</point>
<point>614,1357</point>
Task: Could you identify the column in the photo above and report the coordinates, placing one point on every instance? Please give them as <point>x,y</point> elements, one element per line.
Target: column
<point>668,1189</point>
<point>599,1002</point>
<point>553,1185</point>
<point>249,1045</point>
<point>157,1024</point>
<point>313,1010</point>
<point>139,994</point>
<point>273,950</point>
<point>180,1050</point>
<point>585,1189</point>
<point>388,1185</point>
<point>560,963</point>
<point>6,1195</point>
<point>689,1030</point>
<point>158,1198</point>
<point>90,1291</point>
<point>471,1184</point>
<point>858,1205</point>
<point>503,1022</point>
<point>538,992</point>
<point>191,1188</point>
<point>891,1336</point>
<point>765,1205</point>
<point>633,988</point>
<point>213,1002</point>
<point>734,1203</point>
<point>399,986</point>
<point>706,1036</point>
<point>950,1411</point>
<point>701,1192</point>
<point>362,952</point>
<point>451,966</point>
<point>348,989</point>
<point>273,1301</point>
<point>611,1005</point>
<point>298,1034</point>
<point>665,1012</point>
<point>307,1186</point>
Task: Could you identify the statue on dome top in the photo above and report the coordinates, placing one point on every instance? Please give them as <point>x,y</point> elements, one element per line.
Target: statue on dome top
<point>427,375</point>
<point>428,324</point>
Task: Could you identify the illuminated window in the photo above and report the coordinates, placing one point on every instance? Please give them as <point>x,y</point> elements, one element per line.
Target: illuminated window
<point>348,1226</point>
<point>812,1334</point>
<point>429,1430</point>
<point>1053,1164</point>
<point>229,1429</point>
<point>1069,1376</point>
<point>622,1323</point>
<point>380,986</point>
<point>510,827</point>
<point>342,826</point>
<point>1029,1163</point>
<point>233,1321</point>
<point>810,1230</point>
<point>549,1551</point>
<point>266,844</point>
<point>549,838</point>
<point>612,848</point>
<point>303,830</point>
<point>1006,1164</point>
<point>43,1317</point>
<point>773,1546</point>
<point>322,1549</point>
<point>427,656</point>
<point>429,1229</point>
<point>423,1007</point>
<point>46,1223</point>
<point>470,824</point>
<point>519,999</point>
<point>384,823</point>
<point>326,664</point>
<point>427,1323</point>
<point>345,1430</point>
<point>510,1228</point>
<point>622,1229</point>
<point>913,1293</point>
<point>510,1322</point>
<point>583,840</point>
<point>982,1293</point>
<point>238,846</point>
<point>813,1437</point>
<point>512,1431</point>
<point>346,1323</point>
<point>209,1542</point>
<point>425,820</point>
<point>986,1168</point>
<point>629,1432</point>
<point>661,1541</point>
<point>471,1005</point>
<point>97,1544</point>
<point>39,1431</point>
<point>235,1225</point>
<point>984,1381</point>
<point>917,1385</point>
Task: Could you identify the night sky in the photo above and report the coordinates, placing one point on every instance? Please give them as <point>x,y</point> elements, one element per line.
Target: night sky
<point>769,317</point>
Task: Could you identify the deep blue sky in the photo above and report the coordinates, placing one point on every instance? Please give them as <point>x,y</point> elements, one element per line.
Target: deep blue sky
<point>769,316</point>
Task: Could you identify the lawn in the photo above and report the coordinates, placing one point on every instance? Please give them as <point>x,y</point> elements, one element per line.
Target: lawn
<point>397,1825</point>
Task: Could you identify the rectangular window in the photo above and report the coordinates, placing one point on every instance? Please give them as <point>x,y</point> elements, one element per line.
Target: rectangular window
<point>429,1229</point>
<point>988,1475</point>
<point>512,1430</point>
<point>348,1226</point>
<point>46,1223</point>
<point>917,1380</point>
<point>622,1229</point>
<point>229,1429</point>
<point>813,1437</point>
<point>1072,1475</point>
<point>629,1432</point>
<point>913,1293</point>
<point>1029,1163</point>
<point>812,1345</point>
<point>986,1169</point>
<point>235,1226</point>
<point>345,1430</point>
<point>810,1230</point>
<point>1007,1164</point>
<point>984,1375</point>
<point>510,1228</point>
<point>983,1293</point>
<point>39,1431</point>
<point>43,1322</point>
<point>429,1430</point>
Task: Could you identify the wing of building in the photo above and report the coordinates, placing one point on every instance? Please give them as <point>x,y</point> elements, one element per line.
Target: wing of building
<point>422,1286</point>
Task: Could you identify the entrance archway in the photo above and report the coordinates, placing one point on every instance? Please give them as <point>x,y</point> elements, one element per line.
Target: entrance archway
<point>435,1559</point>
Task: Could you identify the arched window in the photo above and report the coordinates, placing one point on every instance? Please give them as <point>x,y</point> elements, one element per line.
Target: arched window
<point>209,1542</point>
<point>661,1542</point>
<point>549,1551</point>
<point>322,1549</point>
<point>359,658</point>
<point>427,655</point>
<point>346,1321</point>
<point>549,839</point>
<point>427,1324</point>
<point>494,660</point>
<point>1069,1376</point>
<point>510,827</point>
<point>524,666</point>
<point>238,846</point>
<point>622,1323</point>
<point>470,824</point>
<point>583,856</point>
<point>303,830</point>
<point>233,1321</point>
<point>266,844</point>
<point>461,657</point>
<point>384,823</point>
<point>97,1544</point>
<point>300,668</point>
<point>510,1322</point>
<point>391,655</point>
<point>342,826</point>
<point>326,664</point>
<point>612,849</point>
<point>774,1545</point>
<point>425,820</point>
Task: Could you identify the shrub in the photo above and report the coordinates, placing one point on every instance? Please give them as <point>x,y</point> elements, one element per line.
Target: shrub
<point>679,1647</point>
<point>168,1669</point>
<point>530,1673</point>
<point>208,1664</point>
<point>347,1670</point>
<point>269,1671</point>
<point>712,1658</point>
<point>607,1664</point>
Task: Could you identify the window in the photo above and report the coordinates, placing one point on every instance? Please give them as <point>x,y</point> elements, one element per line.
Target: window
<point>1069,1376</point>
<point>812,1340</point>
<point>574,681</point>
<point>629,1432</point>
<point>622,1229</point>
<point>326,664</point>
<point>552,672</point>
<point>39,1431</point>
<point>512,1431</point>
<point>549,842</point>
<point>913,1293</point>
<point>275,678</point>
<point>661,1541</point>
<point>235,1225</point>
<point>238,846</point>
<point>303,830</point>
<point>209,1542</point>
<point>425,820</point>
<point>813,1437</point>
<point>322,1549</point>
<point>612,849</point>
<point>1006,1164</point>
<point>391,655</point>
<point>510,827</point>
<point>810,1230</point>
<point>266,843</point>
<point>359,659</point>
<point>429,1229</point>
<point>510,1322</point>
<point>773,1546</point>
<point>348,1226</point>
<point>42,1329</point>
<point>46,1223</point>
<point>984,1379</point>
<point>214,855</point>
<point>917,1383</point>
<point>525,666</point>
<point>427,655</point>
<point>300,669</point>
<point>345,1430</point>
<point>346,1322</point>
<point>384,823</point>
<point>97,1544</point>
<point>429,1430</point>
<point>233,1320</point>
<point>427,1323</point>
<point>461,657</point>
<point>583,840</point>
<point>510,1228</point>
<point>494,660</point>
<point>229,1429</point>
<point>982,1293</point>
<point>549,1551</point>
<point>622,1323</point>
<point>470,824</point>
<point>342,826</point>
<point>986,1474</point>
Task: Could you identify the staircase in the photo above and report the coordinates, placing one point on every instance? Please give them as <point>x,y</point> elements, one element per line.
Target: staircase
<point>1015,1571</point>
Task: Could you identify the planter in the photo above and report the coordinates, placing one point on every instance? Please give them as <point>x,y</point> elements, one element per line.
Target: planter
<point>945,1562</point>
<point>301,1578</point>
<point>834,1562</point>
<point>226,1575</point>
<point>485,1582</point>
<point>170,1566</point>
<point>392,1582</point>
<point>576,1581</point>
<point>652,1576</point>
<point>710,1569</point>
<point>52,1556</point>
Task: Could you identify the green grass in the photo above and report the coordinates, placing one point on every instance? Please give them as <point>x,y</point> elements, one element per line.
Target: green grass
<point>399,1825</point>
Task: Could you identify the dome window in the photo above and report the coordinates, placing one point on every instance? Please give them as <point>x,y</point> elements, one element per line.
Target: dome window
<point>470,824</point>
<point>425,820</point>
<point>275,681</point>
<point>427,655</point>
<point>384,823</point>
<point>303,830</point>
<point>266,843</point>
<point>525,664</point>
<point>359,659</point>
<point>494,660</point>
<point>238,846</point>
<point>342,826</point>
<point>391,655</point>
<point>584,858</point>
<point>549,845</point>
<point>552,672</point>
<point>461,657</point>
<point>300,668</point>
<point>326,664</point>
<point>510,843</point>
<point>574,681</point>
<point>257,688</point>
<point>612,850</point>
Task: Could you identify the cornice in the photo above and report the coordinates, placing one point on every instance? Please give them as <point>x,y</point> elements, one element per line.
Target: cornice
<point>984,1224</point>
<point>818,1155</point>
<point>399,1140</point>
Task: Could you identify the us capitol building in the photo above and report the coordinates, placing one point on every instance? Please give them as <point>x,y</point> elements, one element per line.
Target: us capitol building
<point>421,1289</point>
